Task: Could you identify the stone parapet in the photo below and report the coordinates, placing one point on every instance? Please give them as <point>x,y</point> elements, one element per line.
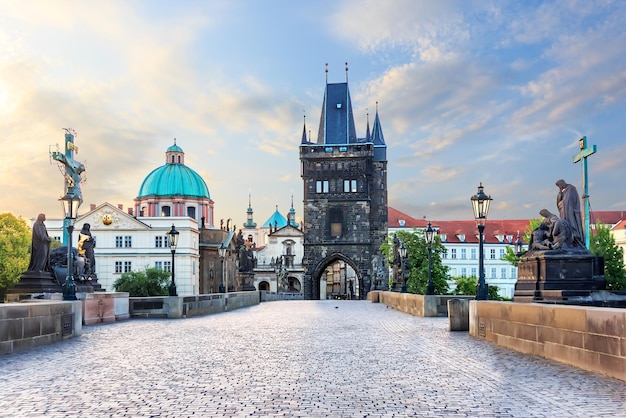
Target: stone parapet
<point>418,305</point>
<point>590,338</point>
<point>34,322</point>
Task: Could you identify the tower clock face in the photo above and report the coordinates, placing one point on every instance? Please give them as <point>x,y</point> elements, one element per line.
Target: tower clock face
<point>107,219</point>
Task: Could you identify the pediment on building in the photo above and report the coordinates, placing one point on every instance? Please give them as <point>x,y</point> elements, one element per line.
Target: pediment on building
<point>287,231</point>
<point>107,216</point>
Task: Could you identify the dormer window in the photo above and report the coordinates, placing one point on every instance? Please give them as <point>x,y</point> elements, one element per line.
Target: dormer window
<point>443,237</point>
<point>402,222</point>
<point>461,237</point>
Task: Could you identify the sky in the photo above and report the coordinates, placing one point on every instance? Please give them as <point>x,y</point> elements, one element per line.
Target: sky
<point>498,92</point>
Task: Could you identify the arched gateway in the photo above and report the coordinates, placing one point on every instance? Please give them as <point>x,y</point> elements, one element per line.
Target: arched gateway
<point>345,196</point>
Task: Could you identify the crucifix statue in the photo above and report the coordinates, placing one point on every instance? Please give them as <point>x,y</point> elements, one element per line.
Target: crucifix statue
<point>582,156</point>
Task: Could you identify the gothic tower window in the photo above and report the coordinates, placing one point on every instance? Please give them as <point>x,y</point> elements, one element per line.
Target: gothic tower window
<point>336,222</point>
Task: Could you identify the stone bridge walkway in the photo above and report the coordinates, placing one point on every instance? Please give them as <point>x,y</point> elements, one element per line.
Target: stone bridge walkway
<point>295,358</point>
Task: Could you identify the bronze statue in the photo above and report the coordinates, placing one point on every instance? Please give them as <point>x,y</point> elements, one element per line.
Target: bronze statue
<point>86,244</point>
<point>40,247</point>
<point>568,204</point>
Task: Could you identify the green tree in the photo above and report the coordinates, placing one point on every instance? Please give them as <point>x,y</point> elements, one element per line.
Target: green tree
<point>151,282</point>
<point>467,286</point>
<point>15,237</point>
<point>603,244</point>
<point>509,254</point>
<point>417,255</point>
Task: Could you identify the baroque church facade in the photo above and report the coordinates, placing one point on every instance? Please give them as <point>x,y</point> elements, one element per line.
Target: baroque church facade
<point>345,198</point>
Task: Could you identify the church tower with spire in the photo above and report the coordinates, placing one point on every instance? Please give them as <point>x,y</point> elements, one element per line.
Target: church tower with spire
<point>345,195</point>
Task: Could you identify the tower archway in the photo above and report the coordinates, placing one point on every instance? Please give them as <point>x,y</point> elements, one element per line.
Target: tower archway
<point>337,277</point>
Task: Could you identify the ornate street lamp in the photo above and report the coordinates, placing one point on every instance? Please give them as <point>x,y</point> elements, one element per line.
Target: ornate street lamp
<point>402,253</point>
<point>172,237</point>
<point>70,203</point>
<point>430,235</point>
<point>222,252</point>
<point>480,204</point>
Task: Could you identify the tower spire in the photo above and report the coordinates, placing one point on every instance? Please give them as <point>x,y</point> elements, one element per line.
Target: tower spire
<point>304,140</point>
<point>346,71</point>
<point>326,73</point>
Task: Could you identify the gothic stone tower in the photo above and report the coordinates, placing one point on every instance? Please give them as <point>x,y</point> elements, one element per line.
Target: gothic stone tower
<point>345,194</point>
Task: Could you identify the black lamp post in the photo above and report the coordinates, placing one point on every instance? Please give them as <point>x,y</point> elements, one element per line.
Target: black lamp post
<point>70,203</point>
<point>430,234</point>
<point>402,253</point>
<point>480,204</point>
<point>222,252</point>
<point>173,242</point>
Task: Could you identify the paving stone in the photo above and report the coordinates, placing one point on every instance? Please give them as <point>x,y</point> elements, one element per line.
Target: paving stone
<point>295,358</point>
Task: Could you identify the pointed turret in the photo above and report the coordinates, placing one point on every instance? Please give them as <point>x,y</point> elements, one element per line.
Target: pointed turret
<point>304,139</point>
<point>380,148</point>
<point>250,222</point>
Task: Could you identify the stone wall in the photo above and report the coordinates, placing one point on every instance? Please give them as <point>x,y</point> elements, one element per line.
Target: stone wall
<point>418,305</point>
<point>591,338</point>
<point>188,306</point>
<point>33,323</point>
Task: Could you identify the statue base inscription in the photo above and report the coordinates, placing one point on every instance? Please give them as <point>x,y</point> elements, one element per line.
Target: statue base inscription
<point>36,282</point>
<point>558,276</point>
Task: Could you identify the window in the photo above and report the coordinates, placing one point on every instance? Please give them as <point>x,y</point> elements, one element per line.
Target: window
<point>501,252</point>
<point>118,241</point>
<point>513,273</point>
<point>503,273</point>
<point>128,241</point>
<point>463,271</point>
<point>158,265</point>
<point>453,254</point>
<point>191,212</point>
<point>158,242</point>
<point>128,266</point>
<point>167,266</point>
<point>118,267</point>
<point>493,272</point>
<point>492,253</point>
<point>335,217</point>
<point>165,211</point>
<point>473,252</point>
<point>444,253</point>
<point>463,254</point>
<point>321,186</point>
<point>473,270</point>
<point>349,186</point>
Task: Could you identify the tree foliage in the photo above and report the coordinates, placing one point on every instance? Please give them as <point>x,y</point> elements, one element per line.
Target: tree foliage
<point>151,282</point>
<point>509,255</point>
<point>467,286</point>
<point>417,256</point>
<point>15,237</point>
<point>603,244</point>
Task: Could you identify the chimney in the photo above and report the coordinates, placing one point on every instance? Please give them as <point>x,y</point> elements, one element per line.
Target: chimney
<point>120,206</point>
<point>92,206</point>
<point>130,211</point>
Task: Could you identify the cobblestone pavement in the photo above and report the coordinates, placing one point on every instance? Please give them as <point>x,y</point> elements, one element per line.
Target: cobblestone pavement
<point>295,358</point>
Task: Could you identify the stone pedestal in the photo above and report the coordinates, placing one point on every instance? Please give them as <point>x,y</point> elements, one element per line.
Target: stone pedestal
<point>36,282</point>
<point>246,281</point>
<point>557,276</point>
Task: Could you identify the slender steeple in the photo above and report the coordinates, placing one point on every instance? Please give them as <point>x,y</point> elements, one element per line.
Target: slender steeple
<point>380,148</point>
<point>368,137</point>
<point>304,140</point>
<point>250,222</point>
<point>291,219</point>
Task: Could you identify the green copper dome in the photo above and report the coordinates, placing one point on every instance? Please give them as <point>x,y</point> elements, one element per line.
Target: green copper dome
<point>173,179</point>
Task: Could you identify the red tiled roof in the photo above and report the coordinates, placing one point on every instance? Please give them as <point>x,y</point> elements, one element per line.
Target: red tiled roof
<point>493,228</point>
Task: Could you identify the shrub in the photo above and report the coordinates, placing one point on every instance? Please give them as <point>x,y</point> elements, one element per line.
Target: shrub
<point>151,282</point>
